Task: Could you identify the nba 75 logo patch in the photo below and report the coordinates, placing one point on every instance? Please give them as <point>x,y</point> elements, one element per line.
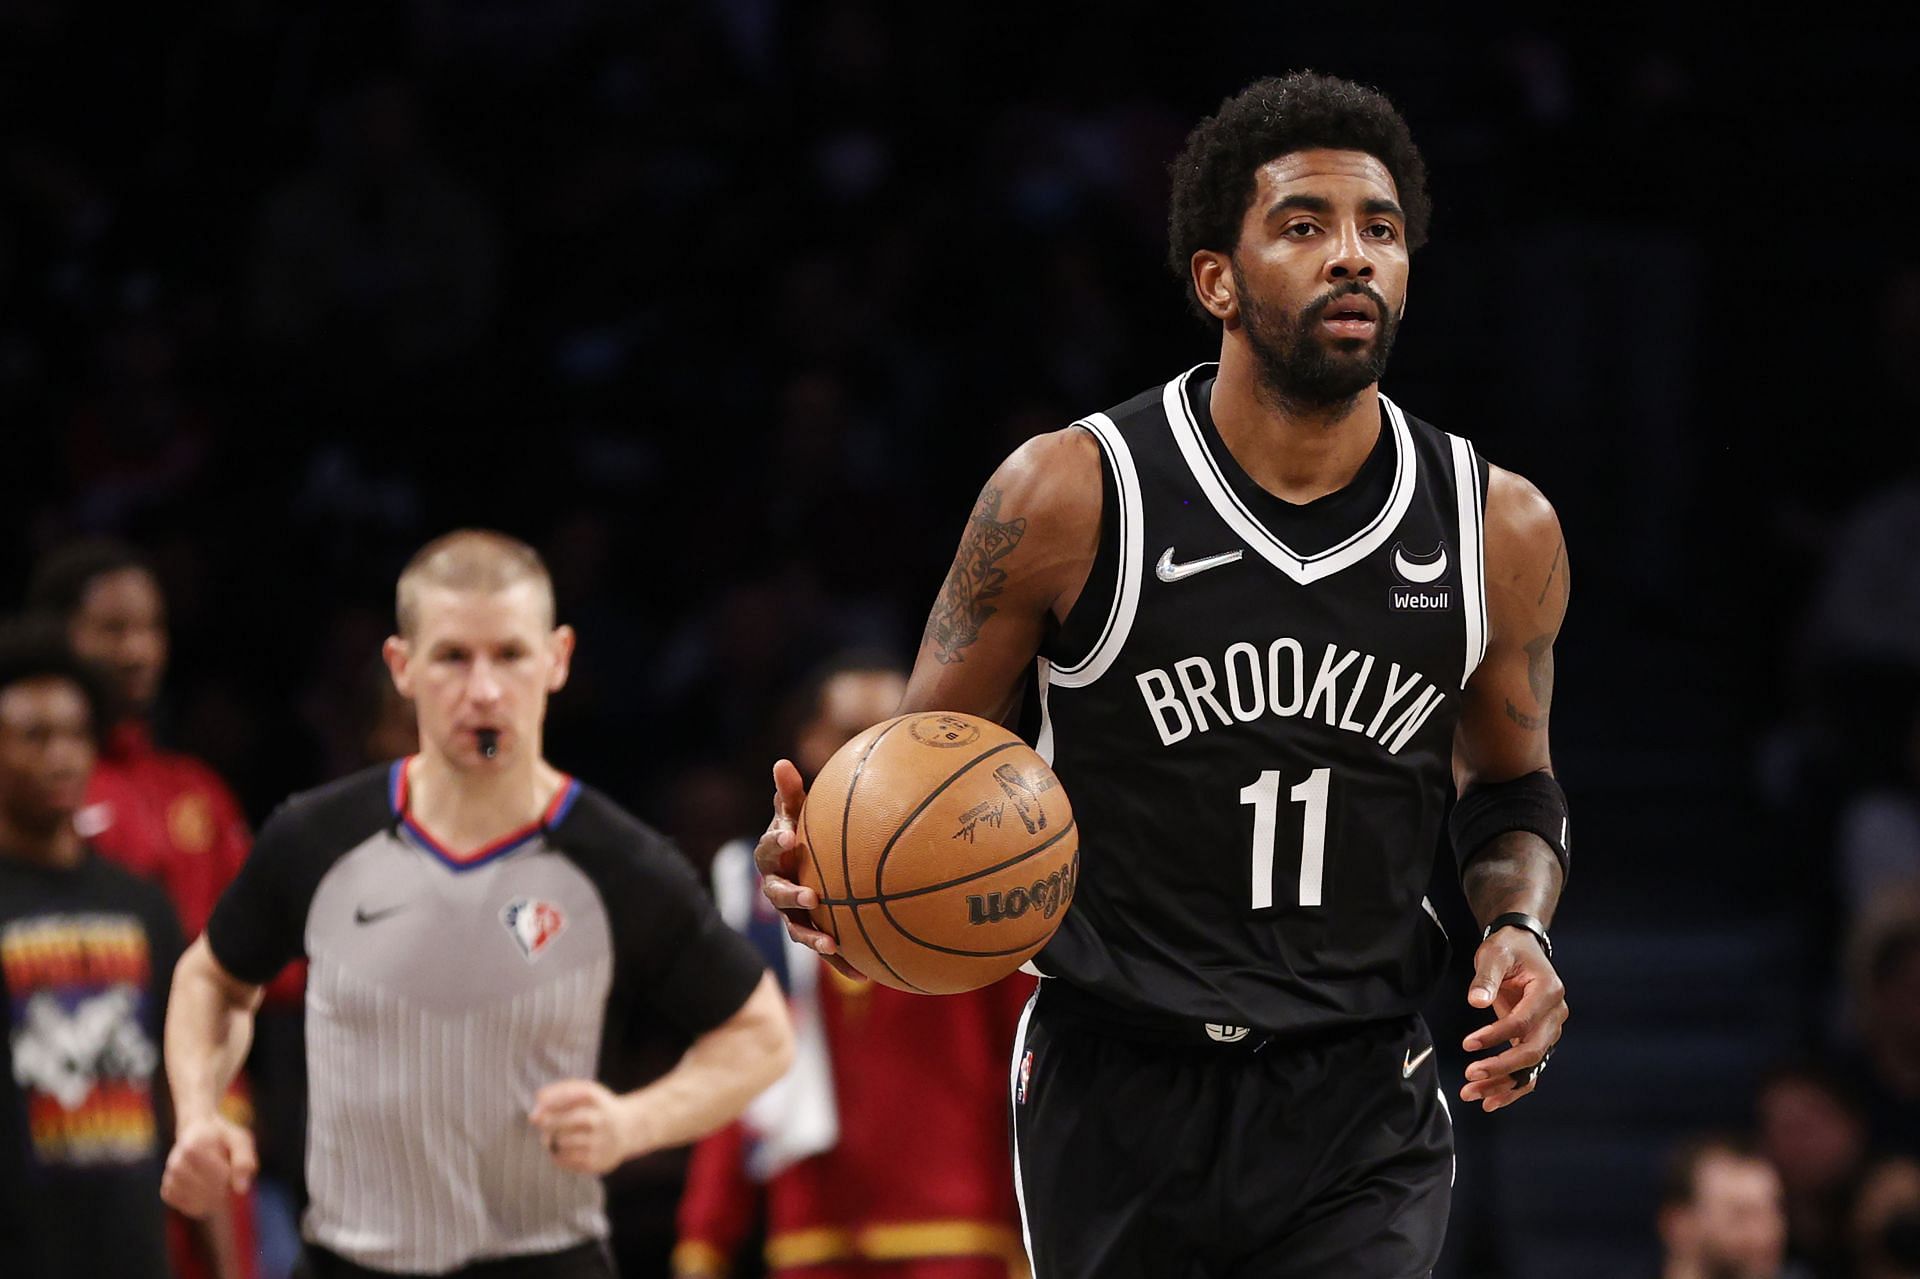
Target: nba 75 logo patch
<point>533,924</point>
<point>1420,589</point>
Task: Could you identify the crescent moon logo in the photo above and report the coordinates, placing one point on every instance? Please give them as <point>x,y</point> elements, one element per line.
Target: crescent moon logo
<point>1416,571</point>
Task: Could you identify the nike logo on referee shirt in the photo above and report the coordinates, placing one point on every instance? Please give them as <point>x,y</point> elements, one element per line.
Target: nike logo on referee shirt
<point>1411,1063</point>
<point>361,915</point>
<point>1167,571</point>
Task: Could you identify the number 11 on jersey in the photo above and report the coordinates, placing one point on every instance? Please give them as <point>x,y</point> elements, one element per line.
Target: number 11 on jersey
<point>1264,795</point>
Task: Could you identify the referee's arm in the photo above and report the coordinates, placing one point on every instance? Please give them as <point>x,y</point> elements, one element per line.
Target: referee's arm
<point>590,1129</point>
<point>253,933</point>
<point>209,1026</point>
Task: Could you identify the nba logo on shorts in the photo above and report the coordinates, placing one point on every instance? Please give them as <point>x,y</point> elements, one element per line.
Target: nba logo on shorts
<point>1026,1077</point>
<point>533,924</point>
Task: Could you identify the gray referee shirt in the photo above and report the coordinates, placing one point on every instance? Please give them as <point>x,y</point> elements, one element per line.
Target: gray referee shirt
<point>445,991</point>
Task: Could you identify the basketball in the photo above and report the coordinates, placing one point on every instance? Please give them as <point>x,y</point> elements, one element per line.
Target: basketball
<point>943,849</point>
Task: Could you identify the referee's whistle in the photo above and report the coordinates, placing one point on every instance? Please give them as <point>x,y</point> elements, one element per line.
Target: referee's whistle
<point>489,739</point>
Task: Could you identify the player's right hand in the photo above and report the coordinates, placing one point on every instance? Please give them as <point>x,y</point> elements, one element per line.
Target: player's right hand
<point>778,857</point>
<point>211,1158</point>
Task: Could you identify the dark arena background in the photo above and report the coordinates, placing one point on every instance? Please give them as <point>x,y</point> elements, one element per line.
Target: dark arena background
<point>730,308</point>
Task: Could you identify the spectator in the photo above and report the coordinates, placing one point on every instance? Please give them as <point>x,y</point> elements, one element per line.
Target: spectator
<point>139,439</point>
<point>379,252</point>
<point>1886,1222</point>
<point>1722,1214</point>
<point>162,815</point>
<point>1878,846</point>
<point>85,952</point>
<point>1814,1132</point>
<point>388,727</point>
<point>1861,651</point>
<point>1885,1065</point>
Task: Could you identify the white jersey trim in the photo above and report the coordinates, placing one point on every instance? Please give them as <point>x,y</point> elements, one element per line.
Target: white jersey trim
<point>1473,553</point>
<point>1126,595</point>
<point>1303,569</point>
<point>1014,1100</point>
<point>1043,744</point>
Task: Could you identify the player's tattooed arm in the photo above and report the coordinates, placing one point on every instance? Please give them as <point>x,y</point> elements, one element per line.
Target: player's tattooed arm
<point>1503,736</point>
<point>1022,560</point>
<point>974,579</point>
<point>1539,651</point>
<point>1503,724</point>
<point>1509,701</point>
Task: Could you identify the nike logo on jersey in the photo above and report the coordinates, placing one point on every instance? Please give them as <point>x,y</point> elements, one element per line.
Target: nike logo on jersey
<point>361,915</point>
<point>1167,571</point>
<point>1410,1063</point>
<point>1418,572</point>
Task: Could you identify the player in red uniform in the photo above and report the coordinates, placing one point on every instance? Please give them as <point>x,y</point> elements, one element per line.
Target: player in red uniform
<point>896,1169</point>
<point>165,816</point>
<point>160,814</point>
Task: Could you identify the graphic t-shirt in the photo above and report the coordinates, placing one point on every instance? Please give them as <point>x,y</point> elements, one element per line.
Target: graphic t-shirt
<point>86,956</point>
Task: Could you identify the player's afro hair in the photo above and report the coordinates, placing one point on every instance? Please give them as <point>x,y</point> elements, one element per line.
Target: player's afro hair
<point>1213,176</point>
<point>36,648</point>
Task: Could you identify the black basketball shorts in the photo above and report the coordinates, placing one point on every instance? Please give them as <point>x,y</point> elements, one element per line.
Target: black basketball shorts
<point>1196,1159</point>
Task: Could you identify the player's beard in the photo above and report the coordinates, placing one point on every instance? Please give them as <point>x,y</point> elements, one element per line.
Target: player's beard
<point>1304,368</point>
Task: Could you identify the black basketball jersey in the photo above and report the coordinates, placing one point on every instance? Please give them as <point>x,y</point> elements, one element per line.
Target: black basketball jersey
<point>1256,730</point>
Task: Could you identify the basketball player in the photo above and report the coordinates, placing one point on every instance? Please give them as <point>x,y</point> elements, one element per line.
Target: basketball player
<point>161,814</point>
<point>1277,620</point>
<point>484,935</point>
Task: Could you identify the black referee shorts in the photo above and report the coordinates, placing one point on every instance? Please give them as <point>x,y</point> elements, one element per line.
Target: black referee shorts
<point>586,1261</point>
<point>1192,1159</point>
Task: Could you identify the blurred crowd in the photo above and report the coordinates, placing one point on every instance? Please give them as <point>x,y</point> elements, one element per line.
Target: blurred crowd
<point>729,307</point>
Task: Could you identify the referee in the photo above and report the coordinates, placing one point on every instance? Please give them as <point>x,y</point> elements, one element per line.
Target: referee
<point>486,936</point>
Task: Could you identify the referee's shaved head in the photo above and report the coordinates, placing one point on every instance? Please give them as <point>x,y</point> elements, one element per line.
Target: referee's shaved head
<point>470,560</point>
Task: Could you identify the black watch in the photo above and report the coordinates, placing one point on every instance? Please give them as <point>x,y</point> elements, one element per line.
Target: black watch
<point>1518,919</point>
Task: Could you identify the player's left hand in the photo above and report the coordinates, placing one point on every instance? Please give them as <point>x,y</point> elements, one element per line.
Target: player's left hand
<point>585,1127</point>
<point>1514,977</point>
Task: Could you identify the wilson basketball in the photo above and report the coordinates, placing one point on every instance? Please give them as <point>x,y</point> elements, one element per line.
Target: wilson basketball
<point>943,849</point>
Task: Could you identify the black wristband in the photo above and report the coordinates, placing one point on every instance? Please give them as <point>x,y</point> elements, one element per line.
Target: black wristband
<point>1520,919</point>
<point>1488,810</point>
